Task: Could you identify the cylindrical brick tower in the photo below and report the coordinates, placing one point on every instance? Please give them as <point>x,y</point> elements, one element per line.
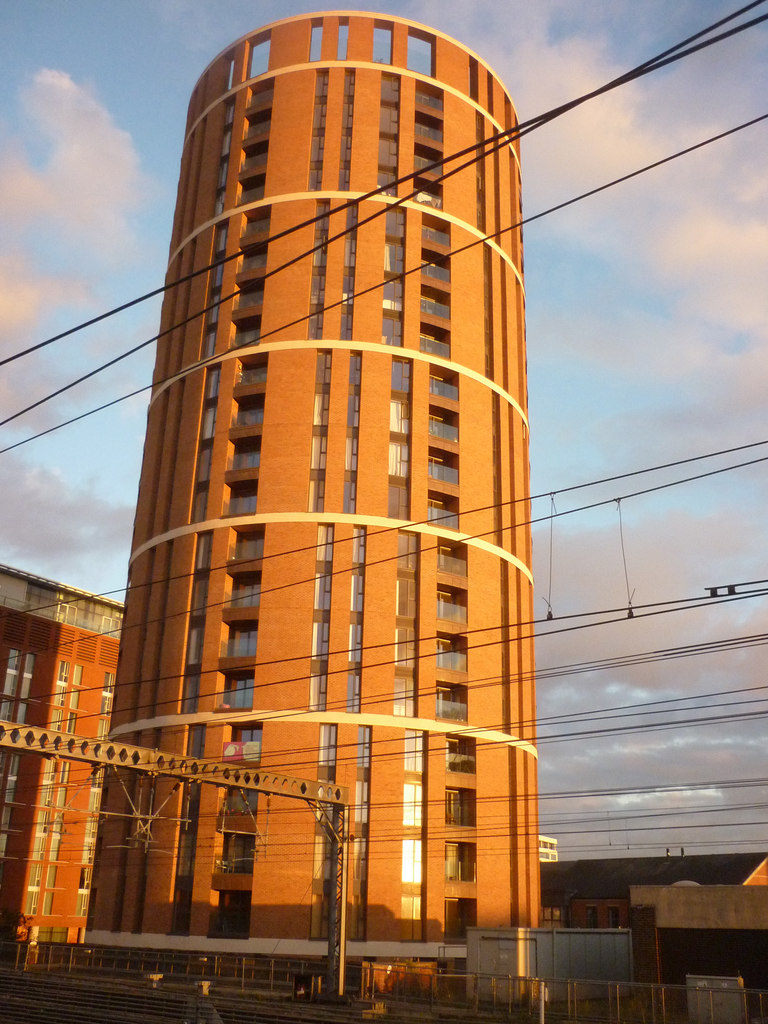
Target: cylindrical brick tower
<point>330,573</point>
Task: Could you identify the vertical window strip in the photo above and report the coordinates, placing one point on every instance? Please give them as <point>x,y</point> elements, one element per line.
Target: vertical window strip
<point>318,683</point>
<point>389,119</point>
<point>317,151</point>
<point>205,444</point>
<point>316,492</point>
<point>480,172</point>
<point>347,115</point>
<point>348,291</point>
<point>361,812</point>
<point>319,263</point>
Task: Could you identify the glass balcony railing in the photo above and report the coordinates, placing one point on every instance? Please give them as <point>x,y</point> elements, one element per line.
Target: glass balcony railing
<point>234,865</point>
<point>459,871</point>
<point>455,661</point>
<point>443,517</point>
<point>451,564</point>
<point>433,308</point>
<point>247,550</point>
<point>439,471</point>
<point>245,460</point>
<point>256,262</point>
<point>257,130</point>
<point>242,645</point>
<point>252,374</point>
<point>434,347</point>
<point>439,273</point>
<point>426,131</point>
<point>420,162</point>
<point>246,598</point>
<point>443,388</point>
<point>256,231</point>
<point>251,162</point>
<point>462,816</point>
<point>439,428</point>
<point>252,195</point>
<point>242,505</point>
<point>248,418</point>
<point>252,298</point>
<point>450,611</point>
<point>453,710</point>
<point>251,337</point>
<point>434,235</point>
<point>425,100</point>
<point>464,763</point>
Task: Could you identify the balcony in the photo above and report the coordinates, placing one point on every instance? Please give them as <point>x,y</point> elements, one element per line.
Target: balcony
<point>451,564</point>
<point>431,307</point>
<point>255,163</point>
<point>428,198</point>
<point>460,808</point>
<point>247,549</point>
<point>438,273</point>
<point>252,375</point>
<point>252,195</point>
<point>440,387</point>
<point>443,517</point>
<point>451,710</point>
<point>454,661</point>
<point>429,234</point>
<point>257,130</point>
<point>425,100</point>
<point>241,645</point>
<point>251,337</point>
<point>247,299</point>
<point>258,261</point>
<point>450,611</point>
<point>248,416</point>
<point>246,597</point>
<point>434,347</point>
<point>233,866</point>
<point>426,131</point>
<point>242,505</point>
<point>440,471</point>
<point>249,459</point>
<point>256,231</point>
<point>446,431</point>
<point>461,763</point>
<point>420,162</point>
<point>261,99</point>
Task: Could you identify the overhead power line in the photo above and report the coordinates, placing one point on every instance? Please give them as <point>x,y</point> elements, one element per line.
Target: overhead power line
<point>330,306</point>
<point>685,48</point>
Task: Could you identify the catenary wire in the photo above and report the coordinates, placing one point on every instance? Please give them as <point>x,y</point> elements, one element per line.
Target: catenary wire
<point>670,55</point>
<point>326,308</point>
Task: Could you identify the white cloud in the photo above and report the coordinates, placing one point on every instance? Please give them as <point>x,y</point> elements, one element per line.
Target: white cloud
<point>86,184</point>
<point>83,544</point>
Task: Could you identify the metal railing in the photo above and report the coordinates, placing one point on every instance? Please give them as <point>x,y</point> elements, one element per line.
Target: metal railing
<point>420,987</point>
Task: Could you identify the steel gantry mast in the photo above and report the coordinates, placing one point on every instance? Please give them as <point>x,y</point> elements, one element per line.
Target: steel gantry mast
<point>328,802</point>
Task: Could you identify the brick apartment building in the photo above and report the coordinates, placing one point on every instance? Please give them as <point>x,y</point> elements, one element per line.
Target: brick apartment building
<point>58,656</point>
<point>331,559</point>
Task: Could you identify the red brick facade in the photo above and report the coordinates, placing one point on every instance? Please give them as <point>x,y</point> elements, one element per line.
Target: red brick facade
<point>331,558</point>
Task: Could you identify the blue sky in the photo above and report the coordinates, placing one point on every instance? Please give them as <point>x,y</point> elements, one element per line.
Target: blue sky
<point>647,314</point>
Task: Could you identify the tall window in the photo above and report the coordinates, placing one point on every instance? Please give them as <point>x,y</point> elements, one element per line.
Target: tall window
<point>382,44</point>
<point>421,53</point>
<point>259,62</point>
<point>317,152</point>
<point>389,119</point>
